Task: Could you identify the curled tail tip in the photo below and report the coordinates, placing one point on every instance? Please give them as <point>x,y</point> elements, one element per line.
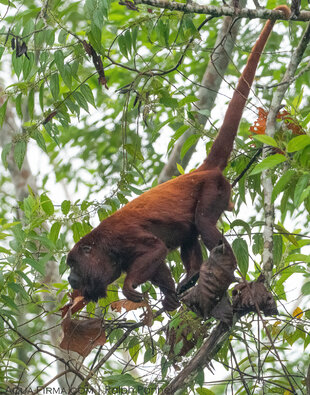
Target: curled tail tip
<point>284,9</point>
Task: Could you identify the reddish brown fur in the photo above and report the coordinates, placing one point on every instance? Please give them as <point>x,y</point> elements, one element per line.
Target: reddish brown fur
<point>137,238</point>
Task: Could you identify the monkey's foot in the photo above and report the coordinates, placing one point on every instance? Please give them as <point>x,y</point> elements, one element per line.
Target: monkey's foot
<point>171,302</point>
<point>187,283</point>
<point>133,295</point>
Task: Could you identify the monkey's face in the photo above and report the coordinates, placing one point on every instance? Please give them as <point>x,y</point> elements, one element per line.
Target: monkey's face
<point>91,268</point>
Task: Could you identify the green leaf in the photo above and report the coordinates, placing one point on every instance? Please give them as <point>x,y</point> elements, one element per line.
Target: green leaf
<point>67,75</point>
<point>74,69</point>
<point>162,30</point>
<point>286,234</point>
<point>190,141</point>
<point>18,104</point>
<point>3,112</point>
<point>298,143</point>
<point>258,244</point>
<point>62,37</point>
<point>305,194</point>
<point>131,188</point>
<point>54,85</point>
<point>64,69</point>
<point>168,101</point>
<point>299,188</point>
<point>88,94</point>
<point>65,207</point>
<point>89,8</point>
<point>29,205</point>
<point>134,352</point>
<point>95,35</point>
<point>97,18</point>
<point>26,278</point>
<point>35,265</point>
<point>4,154</point>
<point>5,251</point>
<point>200,377</point>
<point>77,230</point>
<point>128,41</point>
<point>240,249</point>
<point>277,249</point>
<point>134,35</point>
<point>268,163</point>
<point>19,290</point>
<point>281,184</point>
<point>9,302</point>
<point>305,289</point>
<point>37,135</point>
<point>47,204</point>
<point>123,380</point>
<point>148,355</point>
<point>54,232</point>
<point>50,37</point>
<point>20,152</point>
<point>188,23</point>
<point>81,101</point>
<point>268,140</point>
<point>31,103</point>
<point>164,367</point>
<point>27,65</point>
<point>134,151</point>
<point>204,391</point>
<point>63,265</point>
<point>180,169</point>
<point>245,225</point>
<point>298,258</point>
<point>178,347</point>
<point>187,99</point>
<point>179,132</point>
<point>59,60</point>
<point>297,101</point>
<point>122,46</point>
<point>17,64</point>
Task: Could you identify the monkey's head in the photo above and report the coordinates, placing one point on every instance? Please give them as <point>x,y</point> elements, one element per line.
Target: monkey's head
<point>92,267</point>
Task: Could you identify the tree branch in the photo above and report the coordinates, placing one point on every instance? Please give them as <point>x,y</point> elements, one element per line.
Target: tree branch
<point>191,7</point>
<point>203,357</point>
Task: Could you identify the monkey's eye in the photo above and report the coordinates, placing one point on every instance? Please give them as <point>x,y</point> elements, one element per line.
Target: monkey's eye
<point>86,248</point>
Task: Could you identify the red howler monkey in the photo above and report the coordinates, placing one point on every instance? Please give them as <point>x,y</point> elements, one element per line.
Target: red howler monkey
<point>137,238</point>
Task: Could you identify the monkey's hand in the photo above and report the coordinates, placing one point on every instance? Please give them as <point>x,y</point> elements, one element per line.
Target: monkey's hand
<point>171,302</point>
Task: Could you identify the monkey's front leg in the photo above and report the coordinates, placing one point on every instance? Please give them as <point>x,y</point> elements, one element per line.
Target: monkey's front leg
<point>192,259</point>
<point>149,266</point>
<point>161,278</point>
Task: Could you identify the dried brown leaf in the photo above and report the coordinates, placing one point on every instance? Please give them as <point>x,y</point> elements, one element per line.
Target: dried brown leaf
<point>128,305</point>
<point>82,336</point>
<point>247,295</point>
<point>77,303</point>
